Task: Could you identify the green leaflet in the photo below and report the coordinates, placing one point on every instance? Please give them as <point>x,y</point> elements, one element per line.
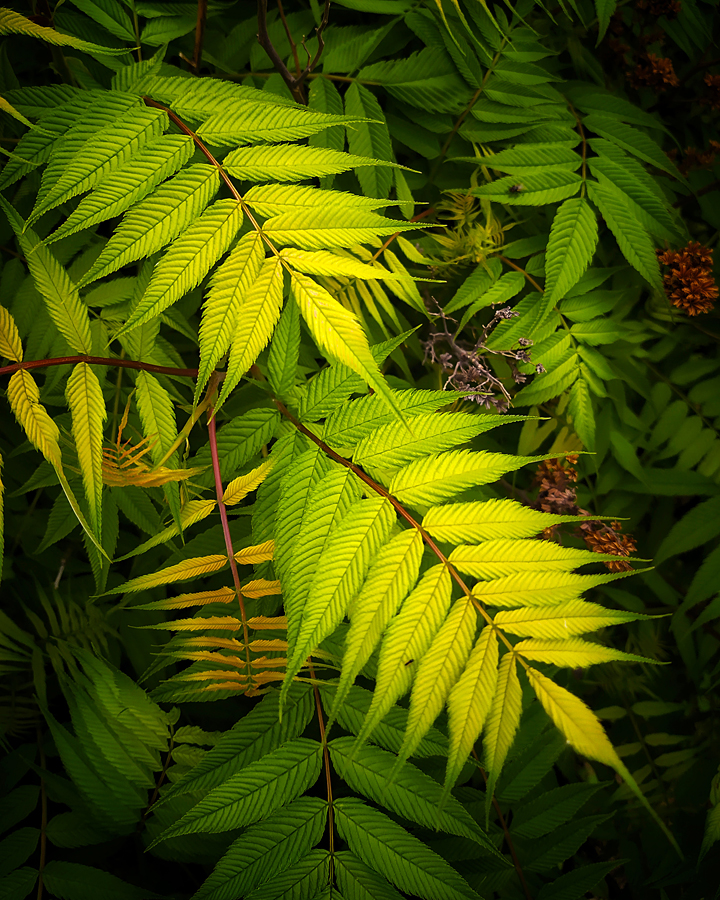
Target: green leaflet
<point>581,409</point>
<point>98,155</point>
<point>255,792</point>
<point>337,331</point>
<point>227,291</point>
<point>537,190</point>
<point>504,289</point>
<point>359,882</point>
<point>440,476</point>
<point>488,520</point>
<point>246,123</point>
<point>128,184</point>
<point>551,809</point>
<point>438,671</point>
<point>272,846</point>
<point>411,793</point>
<point>188,260</point>
<point>321,262</point>
<point>542,589</point>
<point>406,639</point>
<point>396,444</point>
<point>496,558</point>
<point>632,238</point>
<point>339,573</point>
<point>388,849</point>
<point>573,652</point>
<point>13,23</point>
<point>193,511</point>
<point>284,351</point>
<point>323,229</point>
<point>327,505</point>
<point>573,238</point>
<point>157,220</point>
<point>391,577</point>
<point>370,139</point>
<point>561,620</point>
<point>534,156</point>
<point>257,316</point>
<point>78,882</point>
<point>292,162</point>
<point>87,406</point>
<point>238,442</point>
<point>157,414</point>
<point>304,881</point>
<point>632,140</point>
<point>502,723</point>
<point>274,199</point>
<point>60,294</point>
<point>469,703</point>
<point>259,732</point>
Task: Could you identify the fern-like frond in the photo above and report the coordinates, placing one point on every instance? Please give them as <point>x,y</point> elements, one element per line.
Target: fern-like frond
<point>87,407</point>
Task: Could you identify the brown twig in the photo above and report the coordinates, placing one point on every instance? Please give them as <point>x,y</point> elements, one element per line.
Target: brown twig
<point>199,35</point>
<point>295,82</point>
<point>96,361</point>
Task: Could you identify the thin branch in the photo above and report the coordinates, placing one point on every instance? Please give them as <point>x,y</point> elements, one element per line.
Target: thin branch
<point>293,45</point>
<point>199,35</point>
<point>158,785</point>
<point>96,361</point>
<point>264,40</point>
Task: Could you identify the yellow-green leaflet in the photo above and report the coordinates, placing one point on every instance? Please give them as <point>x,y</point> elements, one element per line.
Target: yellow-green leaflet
<point>241,486</point>
<point>323,262</point>
<point>228,289</point>
<point>338,332</point>
<point>257,317</point>
<point>407,638</point>
<point>10,343</point>
<point>182,571</point>
<point>469,702</point>
<point>193,511</point>
<point>389,580</point>
<point>87,407</point>
<point>494,559</point>
<point>502,723</point>
<point>487,520</point>
<point>13,23</point>
<point>438,671</point>
<point>42,432</point>
<point>561,620</point>
<point>574,652</point>
<point>583,731</point>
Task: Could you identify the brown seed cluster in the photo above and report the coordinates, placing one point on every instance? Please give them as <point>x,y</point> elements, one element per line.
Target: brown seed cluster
<point>656,8</point>
<point>696,159</point>
<point>690,283</point>
<point>556,479</point>
<point>653,71</point>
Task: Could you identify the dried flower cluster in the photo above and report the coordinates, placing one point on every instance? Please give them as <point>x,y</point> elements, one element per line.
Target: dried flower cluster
<point>656,8</point>
<point>556,478</point>
<point>690,283</point>
<point>632,37</point>
<point>466,364</point>
<point>696,159</point>
<point>653,71</point>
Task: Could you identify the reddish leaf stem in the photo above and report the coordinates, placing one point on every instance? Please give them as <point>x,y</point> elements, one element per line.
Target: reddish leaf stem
<point>96,361</point>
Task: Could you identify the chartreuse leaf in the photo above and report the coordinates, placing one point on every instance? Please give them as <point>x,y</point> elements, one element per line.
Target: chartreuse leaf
<point>87,407</point>
<point>502,723</point>
<point>257,317</point>
<point>562,619</point>
<point>128,184</point>
<point>407,638</point>
<point>574,652</point>
<point>105,151</point>
<point>340,572</point>
<point>292,162</point>
<point>244,123</point>
<point>435,478</point>
<point>188,260</point>
<point>494,559</point>
<point>306,880</point>
<point>338,332</point>
<point>412,794</point>
<point>573,238</point>
<point>251,738</point>
<point>10,343</point>
<point>469,703</point>
<point>369,138</point>
<point>266,849</point>
<point>61,296</point>
<point>438,672</point>
<point>400,857</point>
<point>157,220</point>
<point>228,289</point>
<point>358,881</point>
<point>538,588</point>
<point>390,579</point>
<point>583,731</point>
<point>482,521</point>
<point>274,199</point>
<point>182,571</point>
<point>13,23</point>
<point>323,262</point>
<point>282,361</point>
<point>313,228</point>
<point>397,444</point>
<point>253,793</point>
<point>157,414</point>
<point>537,190</point>
<point>633,240</point>
<point>327,505</point>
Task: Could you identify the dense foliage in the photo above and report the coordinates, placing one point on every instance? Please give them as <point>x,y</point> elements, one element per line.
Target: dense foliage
<point>360,369</point>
